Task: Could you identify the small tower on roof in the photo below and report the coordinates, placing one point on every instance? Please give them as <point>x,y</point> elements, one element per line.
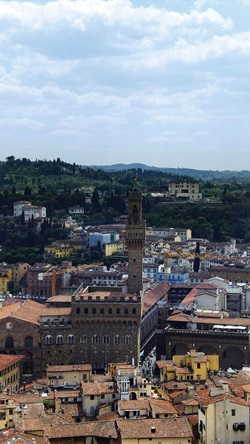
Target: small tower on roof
<point>135,239</point>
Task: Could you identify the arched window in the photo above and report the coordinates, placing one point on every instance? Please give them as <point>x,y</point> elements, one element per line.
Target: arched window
<point>128,339</point>
<point>134,311</point>
<point>125,311</point>
<point>129,324</point>
<point>110,311</point>
<point>83,339</point>
<point>86,311</point>
<point>118,311</point>
<point>105,339</point>
<point>101,310</point>
<point>28,342</point>
<point>59,340</point>
<point>71,339</point>
<point>48,340</point>
<point>78,311</point>
<point>95,339</point>
<point>117,339</point>
<point>94,310</point>
<point>9,342</point>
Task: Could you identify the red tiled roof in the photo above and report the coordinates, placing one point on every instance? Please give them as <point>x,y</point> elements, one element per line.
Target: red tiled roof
<point>137,404</point>
<point>165,363</point>
<point>102,429</point>
<point>8,360</point>
<point>174,428</point>
<point>193,419</point>
<point>69,368</point>
<point>28,311</point>
<point>162,406</point>
<point>97,388</point>
<point>152,296</point>
<point>189,298</point>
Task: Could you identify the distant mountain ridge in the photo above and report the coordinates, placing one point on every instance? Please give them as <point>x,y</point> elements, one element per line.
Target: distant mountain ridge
<point>196,174</point>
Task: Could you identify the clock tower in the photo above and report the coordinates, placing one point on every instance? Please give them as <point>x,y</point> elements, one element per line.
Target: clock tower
<point>135,239</point>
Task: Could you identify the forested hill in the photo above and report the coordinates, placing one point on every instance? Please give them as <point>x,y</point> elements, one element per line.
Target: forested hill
<point>222,214</point>
<point>187,172</point>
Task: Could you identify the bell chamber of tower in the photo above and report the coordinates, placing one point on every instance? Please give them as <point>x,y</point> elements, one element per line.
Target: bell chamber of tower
<point>135,239</point>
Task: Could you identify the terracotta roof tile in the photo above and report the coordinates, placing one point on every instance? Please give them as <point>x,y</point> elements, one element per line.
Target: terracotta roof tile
<point>97,388</point>
<point>141,404</point>
<point>162,406</point>
<point>102,429</point>
<point>152,296</point>
<point>69,368</point>
<point>192,419</point>
<point>154,428</point>
<point>28,311</point>
<point>56,311</point>
<point>7,360</point>
<point>165,363</point>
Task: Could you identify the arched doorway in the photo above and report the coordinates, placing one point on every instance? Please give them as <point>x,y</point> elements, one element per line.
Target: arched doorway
<point>180,349</point>
<point>233,357</point>
<point>28,365</point>
<point>208,350</point>
<point>9,342</point>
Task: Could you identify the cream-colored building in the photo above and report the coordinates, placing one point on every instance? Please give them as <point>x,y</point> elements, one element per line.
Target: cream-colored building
<point>188,189</point>
<point>96,392</point>
<point>223,419</point>
<point>63,375</point>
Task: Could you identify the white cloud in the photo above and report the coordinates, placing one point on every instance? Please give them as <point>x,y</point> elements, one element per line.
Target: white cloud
<point>20,122</point>
<point>119,76</point>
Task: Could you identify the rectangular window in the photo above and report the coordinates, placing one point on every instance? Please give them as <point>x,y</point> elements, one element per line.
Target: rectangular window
<point>233,412</point>
<point>92,397</point>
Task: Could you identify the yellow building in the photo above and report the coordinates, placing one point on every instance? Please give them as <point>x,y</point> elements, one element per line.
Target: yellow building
<point>19,270</point>
<point>7,407</point>
<point>10,371</point>
<point>114,247</point>
<point>5,278</point>
<point>61,250</point>
<point>193,366</point>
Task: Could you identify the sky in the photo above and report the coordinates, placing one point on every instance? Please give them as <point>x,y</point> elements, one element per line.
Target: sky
<point>99,82</point>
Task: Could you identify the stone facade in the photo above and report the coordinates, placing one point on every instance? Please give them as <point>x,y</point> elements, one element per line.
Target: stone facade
<point>135,239</point>
<point>102,326</point>
<point>19,335</point>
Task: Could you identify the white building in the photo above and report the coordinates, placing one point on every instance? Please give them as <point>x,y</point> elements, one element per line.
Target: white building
<point>33,211</point>
<point>29,211</point>
<point>18,207</point>
<point>189,189</point>
<point>76,211</point>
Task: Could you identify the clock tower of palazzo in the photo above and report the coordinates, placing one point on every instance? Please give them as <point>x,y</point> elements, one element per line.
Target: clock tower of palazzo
<point>135,240</point>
